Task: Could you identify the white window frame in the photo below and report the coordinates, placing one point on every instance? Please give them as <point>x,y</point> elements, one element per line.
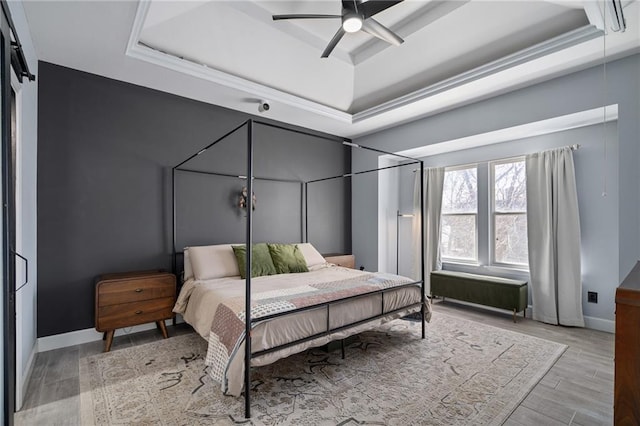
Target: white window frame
<point>475,260</point>
<point>493,213</point>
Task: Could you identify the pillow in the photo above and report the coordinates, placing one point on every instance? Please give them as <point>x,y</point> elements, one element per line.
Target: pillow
<point>186,265</point>
<point>287,258</point>
<point>209,262</point>
<point>261,263</point>
<point>311,255</point>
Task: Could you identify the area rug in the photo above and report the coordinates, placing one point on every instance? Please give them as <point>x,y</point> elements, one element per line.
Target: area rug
<point>463,373</point>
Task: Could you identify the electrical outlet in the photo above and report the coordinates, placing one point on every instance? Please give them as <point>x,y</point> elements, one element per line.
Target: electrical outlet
<point>592,297</point>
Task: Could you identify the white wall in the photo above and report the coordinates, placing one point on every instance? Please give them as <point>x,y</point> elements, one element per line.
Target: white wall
<point>598,215</point>
<point>26,231</point>
<point>583,90</point>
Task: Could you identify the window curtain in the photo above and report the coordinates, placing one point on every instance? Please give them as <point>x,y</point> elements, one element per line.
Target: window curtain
<point>433,182</point>
<point>554,238</point>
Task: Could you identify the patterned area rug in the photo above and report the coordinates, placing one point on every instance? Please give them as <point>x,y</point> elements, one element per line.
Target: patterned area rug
<point>463,373</point>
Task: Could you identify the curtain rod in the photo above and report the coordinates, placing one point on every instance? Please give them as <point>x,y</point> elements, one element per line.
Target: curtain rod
<point>574,147</point>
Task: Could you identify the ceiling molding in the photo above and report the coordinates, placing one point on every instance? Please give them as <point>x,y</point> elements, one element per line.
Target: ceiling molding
<point>561,123</point>
<point>94,37</point>
<point>138,50</point>
<point>138,24</point>
<point>555,44</point>
<point>594,14</point>
<point>147,53</point>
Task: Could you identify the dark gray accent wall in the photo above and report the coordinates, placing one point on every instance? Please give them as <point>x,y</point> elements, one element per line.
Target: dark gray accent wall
<point>105,153</point>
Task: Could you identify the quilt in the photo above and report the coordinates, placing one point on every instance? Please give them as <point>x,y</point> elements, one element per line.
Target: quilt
<point>227,335</point>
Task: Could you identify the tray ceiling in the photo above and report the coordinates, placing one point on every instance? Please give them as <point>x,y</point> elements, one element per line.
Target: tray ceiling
<point>233,54</point>
<point>442,39</point>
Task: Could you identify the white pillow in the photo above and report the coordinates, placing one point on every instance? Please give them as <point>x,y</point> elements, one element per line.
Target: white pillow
<point>186,265</point>
<point>311,255</point>
<point>211,262</point>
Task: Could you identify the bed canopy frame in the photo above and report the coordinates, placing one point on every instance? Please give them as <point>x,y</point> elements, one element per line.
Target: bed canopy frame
<point>249,126</point>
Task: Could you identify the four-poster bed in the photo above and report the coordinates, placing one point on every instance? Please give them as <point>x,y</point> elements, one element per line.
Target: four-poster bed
<point>285,314</point>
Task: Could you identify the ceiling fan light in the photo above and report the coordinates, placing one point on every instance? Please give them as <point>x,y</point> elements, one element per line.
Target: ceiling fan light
<point>352,24</point>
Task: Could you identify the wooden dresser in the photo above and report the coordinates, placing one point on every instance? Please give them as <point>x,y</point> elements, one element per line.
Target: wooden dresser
<point>626,403</point>
<point>132,298</point>
<point>346,260</point>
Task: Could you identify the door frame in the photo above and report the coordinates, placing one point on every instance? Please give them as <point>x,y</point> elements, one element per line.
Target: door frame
<point>8,226</point>
<point>20,273</point>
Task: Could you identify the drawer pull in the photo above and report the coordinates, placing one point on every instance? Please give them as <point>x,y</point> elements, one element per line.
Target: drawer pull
<point>138,312</point>
<point>138,290</point>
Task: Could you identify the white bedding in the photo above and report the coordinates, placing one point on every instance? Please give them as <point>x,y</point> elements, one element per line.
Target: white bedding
<point>199,300</point>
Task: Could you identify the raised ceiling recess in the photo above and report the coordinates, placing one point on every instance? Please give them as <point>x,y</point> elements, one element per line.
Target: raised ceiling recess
<point>232,53</point>
<point>442,39</point>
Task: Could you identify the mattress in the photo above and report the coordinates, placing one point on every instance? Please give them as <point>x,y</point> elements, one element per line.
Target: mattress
<point>218,304</point>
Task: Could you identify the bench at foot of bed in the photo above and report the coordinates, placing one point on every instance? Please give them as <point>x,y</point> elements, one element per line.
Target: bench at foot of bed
<point>485,290</point>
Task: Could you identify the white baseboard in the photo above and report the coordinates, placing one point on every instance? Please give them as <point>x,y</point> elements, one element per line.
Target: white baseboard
<point>593,323</point>
<point>22,392</point>
<point>600,324</point>
<point>79,337</point>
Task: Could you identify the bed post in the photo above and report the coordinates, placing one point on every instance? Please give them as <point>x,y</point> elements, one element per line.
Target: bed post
<point>306,212</point>
<point>174,266</point>
<point>248,257</point>
<point>303,210</point>
<point>422,236</point>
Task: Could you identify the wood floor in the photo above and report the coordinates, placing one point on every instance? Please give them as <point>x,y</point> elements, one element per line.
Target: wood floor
<point>578,390</point>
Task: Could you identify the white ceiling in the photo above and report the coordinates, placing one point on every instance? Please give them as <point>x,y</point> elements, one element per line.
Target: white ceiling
<point>231,53</point>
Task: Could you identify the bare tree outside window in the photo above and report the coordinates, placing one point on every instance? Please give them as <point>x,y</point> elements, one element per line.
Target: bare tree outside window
<point>509,202</point>
<point>458,237</point>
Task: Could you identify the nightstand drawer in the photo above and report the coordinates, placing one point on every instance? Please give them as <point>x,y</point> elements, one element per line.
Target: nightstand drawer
<point>344,260</point>
<point>127,314</point>
<point>132,298</point>
<point>113,292</point>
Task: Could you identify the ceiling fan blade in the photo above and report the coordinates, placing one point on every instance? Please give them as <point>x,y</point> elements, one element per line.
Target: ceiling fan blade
<point>376,29</point>
<point>333,43</point>
<point>372,7</point>
<point>307,16</point>
<point>351,4</point>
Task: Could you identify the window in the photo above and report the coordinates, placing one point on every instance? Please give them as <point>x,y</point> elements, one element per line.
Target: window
<point>484,215</point>
<point>509,213</point>
<point>459,225</point>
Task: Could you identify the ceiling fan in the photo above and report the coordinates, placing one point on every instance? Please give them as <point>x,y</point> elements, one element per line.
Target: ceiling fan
<point>357,15</point>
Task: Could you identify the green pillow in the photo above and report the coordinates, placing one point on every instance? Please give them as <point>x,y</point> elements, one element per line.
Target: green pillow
<point>287,258</point>
<point>261,263</point>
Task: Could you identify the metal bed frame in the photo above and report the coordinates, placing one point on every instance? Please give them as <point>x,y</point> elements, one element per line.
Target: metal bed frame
<point>249,322</point>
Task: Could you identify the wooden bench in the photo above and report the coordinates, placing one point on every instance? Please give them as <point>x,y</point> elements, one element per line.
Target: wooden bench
<point>485,290</point>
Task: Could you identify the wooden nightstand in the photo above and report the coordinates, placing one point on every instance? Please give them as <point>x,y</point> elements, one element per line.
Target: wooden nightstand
<point>132,298</point>
<point>345,260</point>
